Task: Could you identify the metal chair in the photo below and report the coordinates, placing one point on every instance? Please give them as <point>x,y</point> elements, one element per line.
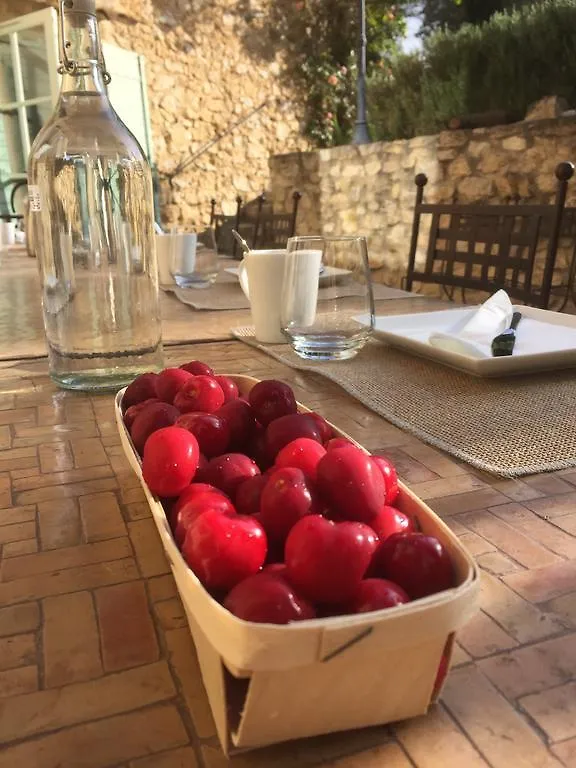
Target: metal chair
<point>8,208</point>
<point>487,247</point>
<point>256,222</point>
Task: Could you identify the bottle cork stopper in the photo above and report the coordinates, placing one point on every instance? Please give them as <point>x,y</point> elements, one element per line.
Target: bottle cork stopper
<point>80,6</point>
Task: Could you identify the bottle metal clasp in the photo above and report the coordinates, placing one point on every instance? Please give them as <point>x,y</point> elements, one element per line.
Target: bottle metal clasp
<point>66,64</point>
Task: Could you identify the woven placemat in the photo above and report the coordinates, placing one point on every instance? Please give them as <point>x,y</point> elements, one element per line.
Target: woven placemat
<point>227,294</point>
<point>508,427</point>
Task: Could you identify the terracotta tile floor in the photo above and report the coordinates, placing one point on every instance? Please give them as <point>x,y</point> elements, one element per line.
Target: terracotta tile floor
<point>97,669</point>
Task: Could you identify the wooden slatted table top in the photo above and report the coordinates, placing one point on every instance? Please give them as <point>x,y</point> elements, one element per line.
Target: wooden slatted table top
<point>97,669</point>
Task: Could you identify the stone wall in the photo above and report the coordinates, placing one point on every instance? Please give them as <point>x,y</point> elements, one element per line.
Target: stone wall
<point>370,189</point>
<point>203,74</point>
<point>301,171</point>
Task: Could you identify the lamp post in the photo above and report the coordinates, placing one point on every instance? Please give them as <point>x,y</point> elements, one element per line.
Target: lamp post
<point>361,132</point>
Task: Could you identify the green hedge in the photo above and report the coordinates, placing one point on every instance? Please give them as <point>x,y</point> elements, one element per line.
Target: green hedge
<point>507,63</point>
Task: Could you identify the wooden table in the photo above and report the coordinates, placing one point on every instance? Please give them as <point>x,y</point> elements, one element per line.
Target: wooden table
<point>22,329</point>
<point>97,669</point>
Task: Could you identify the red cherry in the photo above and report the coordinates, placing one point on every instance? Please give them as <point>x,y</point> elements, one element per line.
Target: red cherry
<point>288,428</point>
<point>150,419</point>
<point>338,442</point>
<point>202,464</point>
<point>325,611</point>
<point>142,388</point>
<point>222,550</point>
<point>275,554</point>
<point>248,493</point>
<point>390,520</point>
<point>326,431</point>
<point>390,477</point>
<point>229,388</point>
<point>197,368</point>
<point>169,382</point>
<point>257,449</point>
<point>201,503</point>
<point>441,674</point>
<point>241,422</point>
<point>268,599</point>
<point>285,500</point>
<point>196,489</point>
<point>200,393</point>
<point>418,563</point>
<point>170,461</point>
<point>351,484</point>
<point>302,453</point>
<point>271,399</point>
<point>375,594</point>
<point>211,431</point>
<point>134,410</point>
<point>326,561</point>
<point>277,569</point>
<point>228,471</point>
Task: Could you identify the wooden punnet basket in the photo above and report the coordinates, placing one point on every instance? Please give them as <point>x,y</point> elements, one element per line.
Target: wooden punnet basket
<point>268,683</point>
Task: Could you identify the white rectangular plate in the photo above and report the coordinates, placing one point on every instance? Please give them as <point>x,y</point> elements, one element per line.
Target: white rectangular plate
<point>545,341</point>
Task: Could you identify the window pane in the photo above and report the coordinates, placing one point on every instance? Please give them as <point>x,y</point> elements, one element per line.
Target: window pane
<point>126,91</point>
<point>11,154</point>
<point>7,87</point>
<point>34,62</point>
<point>36,116</point>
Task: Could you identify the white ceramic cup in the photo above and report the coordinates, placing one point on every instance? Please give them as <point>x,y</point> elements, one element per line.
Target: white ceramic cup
<point>261,275</point>
<point>164,257</point>
<point>67,260</point>
<point>8,233</point>
<point>183,255</point>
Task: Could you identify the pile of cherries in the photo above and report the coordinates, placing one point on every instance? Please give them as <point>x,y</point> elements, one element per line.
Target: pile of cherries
<point>279,519</point>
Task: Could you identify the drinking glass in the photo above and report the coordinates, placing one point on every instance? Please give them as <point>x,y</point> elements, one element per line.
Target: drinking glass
<point>194,258</point>
<point>328,305</point>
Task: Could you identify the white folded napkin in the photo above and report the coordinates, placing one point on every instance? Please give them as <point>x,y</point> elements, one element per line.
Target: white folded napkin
<point>473,335</point>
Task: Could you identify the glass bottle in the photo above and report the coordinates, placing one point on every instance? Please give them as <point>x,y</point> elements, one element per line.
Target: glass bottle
<point>92,225</point>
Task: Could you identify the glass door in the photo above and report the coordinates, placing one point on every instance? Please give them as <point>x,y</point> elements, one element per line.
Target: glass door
<point>129,94</point>
<point>28,93</point>
<point>29,85</point>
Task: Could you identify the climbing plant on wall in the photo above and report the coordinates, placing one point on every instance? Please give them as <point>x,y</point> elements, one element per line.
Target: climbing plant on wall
<point>320,39</point>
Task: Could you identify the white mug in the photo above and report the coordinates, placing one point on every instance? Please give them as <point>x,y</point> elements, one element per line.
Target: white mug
<point>184,261</point>
<point>261,275</point>
<point>164,256</point>
<point>176,255</point>
<point>8,233</point>
<point>67,260</point>
<point>184,253</point>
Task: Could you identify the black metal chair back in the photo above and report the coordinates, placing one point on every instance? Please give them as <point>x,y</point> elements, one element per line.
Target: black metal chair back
<point>8,206</point>
<point>487,247</point>
<point>256,222</point>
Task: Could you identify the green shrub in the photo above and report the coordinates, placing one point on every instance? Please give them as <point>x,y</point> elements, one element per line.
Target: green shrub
<point>507,63</point>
